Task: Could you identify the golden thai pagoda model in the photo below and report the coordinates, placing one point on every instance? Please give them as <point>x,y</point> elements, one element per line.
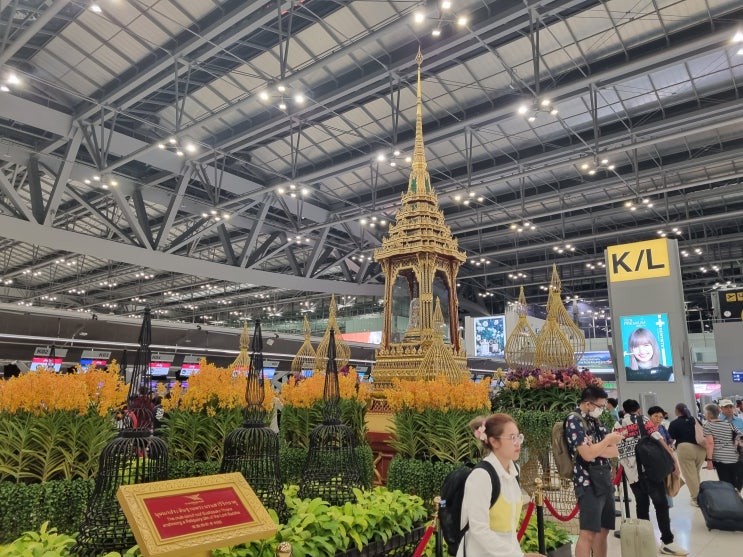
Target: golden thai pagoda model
<point>420,260</point>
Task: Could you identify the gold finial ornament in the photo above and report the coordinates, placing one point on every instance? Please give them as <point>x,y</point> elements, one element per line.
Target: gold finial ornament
<point>419,257</point>
<point>306,355</point>
<point>521,345</point>
<point>342,350</point>
<point>572,332</point>
<point>242,362</point>
<point>554,350</point>
<point>284,549</point>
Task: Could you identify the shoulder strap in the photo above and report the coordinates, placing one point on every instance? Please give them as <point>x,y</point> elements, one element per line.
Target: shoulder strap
<point>494,480</point>
<point>575,454</point>
<point>494,490</point>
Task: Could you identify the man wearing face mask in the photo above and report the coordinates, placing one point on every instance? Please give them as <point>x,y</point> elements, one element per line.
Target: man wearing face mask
<point>642,487</point>
<point>592,447</point>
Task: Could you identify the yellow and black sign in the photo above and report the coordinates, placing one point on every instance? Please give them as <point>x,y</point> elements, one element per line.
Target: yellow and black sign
<point>731,305</point>
<point>641,260</point>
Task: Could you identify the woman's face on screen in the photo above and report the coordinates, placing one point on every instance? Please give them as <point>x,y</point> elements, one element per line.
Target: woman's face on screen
<point>643,352</point>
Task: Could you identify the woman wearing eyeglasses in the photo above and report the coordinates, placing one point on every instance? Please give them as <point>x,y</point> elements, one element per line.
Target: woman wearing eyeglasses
<point>492,529</point>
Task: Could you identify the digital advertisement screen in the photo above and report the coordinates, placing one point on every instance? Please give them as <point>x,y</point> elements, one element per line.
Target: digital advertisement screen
<point>269,372</point>
<point>189,369</point>
<point>87,364</point>
<point>738,376</point>
<point>646,347</point>
<point>596,362</point>
<point>46,363</point>
<point>490,336</point>
<point>159,369</point>
<point>307,373</point>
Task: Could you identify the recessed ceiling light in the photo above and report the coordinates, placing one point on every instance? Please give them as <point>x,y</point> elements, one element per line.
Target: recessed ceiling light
<point>95,8</point>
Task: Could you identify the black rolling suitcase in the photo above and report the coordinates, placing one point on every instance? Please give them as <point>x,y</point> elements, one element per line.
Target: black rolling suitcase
<point>721,506</point>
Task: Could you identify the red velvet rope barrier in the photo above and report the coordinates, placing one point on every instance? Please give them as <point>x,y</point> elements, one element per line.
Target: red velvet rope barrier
<point>557,515</point>
<point>565,518</point>
<point>618,477</point>
<point>525,523</point>
<point>424,541</point>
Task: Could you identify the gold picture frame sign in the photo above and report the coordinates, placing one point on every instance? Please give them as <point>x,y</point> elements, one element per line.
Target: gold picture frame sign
<point>191,516</point>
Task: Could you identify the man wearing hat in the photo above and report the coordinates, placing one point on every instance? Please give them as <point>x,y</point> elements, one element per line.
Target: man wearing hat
<point>727,413</point>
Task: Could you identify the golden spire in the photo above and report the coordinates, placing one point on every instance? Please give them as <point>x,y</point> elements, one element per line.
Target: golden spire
<point>243,358</point>
<point>305,357</point>
<point>419,176</point>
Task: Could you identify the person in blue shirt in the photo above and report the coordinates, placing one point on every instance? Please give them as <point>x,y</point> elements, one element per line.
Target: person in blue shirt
<point>611,406</point>
<point>727,413</point>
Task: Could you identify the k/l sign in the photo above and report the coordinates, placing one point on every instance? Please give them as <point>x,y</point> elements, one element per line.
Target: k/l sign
<point>640,260</point>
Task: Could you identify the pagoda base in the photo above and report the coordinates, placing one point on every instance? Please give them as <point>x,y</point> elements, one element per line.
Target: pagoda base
<point>379,425</point>
<point>403,362</point>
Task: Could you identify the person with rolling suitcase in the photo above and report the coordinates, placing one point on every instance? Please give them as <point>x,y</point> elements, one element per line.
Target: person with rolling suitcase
<point>646,460</point>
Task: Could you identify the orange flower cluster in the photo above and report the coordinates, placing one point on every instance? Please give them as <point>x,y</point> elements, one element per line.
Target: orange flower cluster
<point>41,391</point>
<point>214,388</point>
<point>310,390</point>
<point>439,394</point>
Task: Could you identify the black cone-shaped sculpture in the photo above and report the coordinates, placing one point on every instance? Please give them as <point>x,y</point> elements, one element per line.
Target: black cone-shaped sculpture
<point>134,457</point>
<point>253,449</point>
<point>331,470</point>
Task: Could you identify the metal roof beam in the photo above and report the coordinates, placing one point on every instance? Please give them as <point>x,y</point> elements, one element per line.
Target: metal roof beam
<point>37,234</point>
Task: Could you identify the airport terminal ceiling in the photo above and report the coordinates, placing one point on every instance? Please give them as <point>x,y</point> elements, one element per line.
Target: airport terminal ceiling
<point>218,159</point>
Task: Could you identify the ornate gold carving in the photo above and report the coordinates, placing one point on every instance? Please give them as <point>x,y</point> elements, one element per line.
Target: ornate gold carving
<point>521,345</point>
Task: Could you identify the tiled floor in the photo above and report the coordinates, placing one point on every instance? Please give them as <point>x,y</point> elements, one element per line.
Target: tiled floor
<point>688,527</point>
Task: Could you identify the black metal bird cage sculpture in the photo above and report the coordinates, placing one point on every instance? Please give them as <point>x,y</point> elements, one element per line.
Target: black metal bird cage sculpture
<point>135,456</point>
<point>331,471</point>
<point>253,448</point>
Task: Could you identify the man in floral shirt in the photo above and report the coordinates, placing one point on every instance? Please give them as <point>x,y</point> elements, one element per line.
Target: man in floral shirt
<point>592,448</point>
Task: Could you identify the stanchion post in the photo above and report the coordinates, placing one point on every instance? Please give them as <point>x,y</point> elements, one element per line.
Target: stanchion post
<point>439,547</point>
<point>539,502</point>
<point>284,549</point>
<point>625,494</point>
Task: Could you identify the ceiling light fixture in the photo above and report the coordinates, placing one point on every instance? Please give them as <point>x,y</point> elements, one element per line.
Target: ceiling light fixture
<point>597,165</point>
<point>567,249</point>
<point>524,226</point>
<point>639,203</point>
<point>178,146</point>
<point>282,96</point>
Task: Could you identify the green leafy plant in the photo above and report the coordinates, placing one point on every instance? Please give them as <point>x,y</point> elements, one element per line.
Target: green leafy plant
<point>57,445</point>
<point>420,477</point>
<point>25,506</point>
<point>198,435</point>
<point>435,434</point>
<point>554,536</point>
<point>44,543</point>
<point>317,529</point>
<point>297,423</point>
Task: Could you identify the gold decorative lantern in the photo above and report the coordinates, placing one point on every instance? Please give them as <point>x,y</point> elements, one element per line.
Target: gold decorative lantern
<point>554,350</point>
<point>572,332</point>
<point>343,351</point>
<point>420,260</point>
<point>306,355</point>
<point>521,345</point>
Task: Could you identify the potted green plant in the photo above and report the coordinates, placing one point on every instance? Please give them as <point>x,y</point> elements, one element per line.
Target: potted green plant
<point>556,539</point>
